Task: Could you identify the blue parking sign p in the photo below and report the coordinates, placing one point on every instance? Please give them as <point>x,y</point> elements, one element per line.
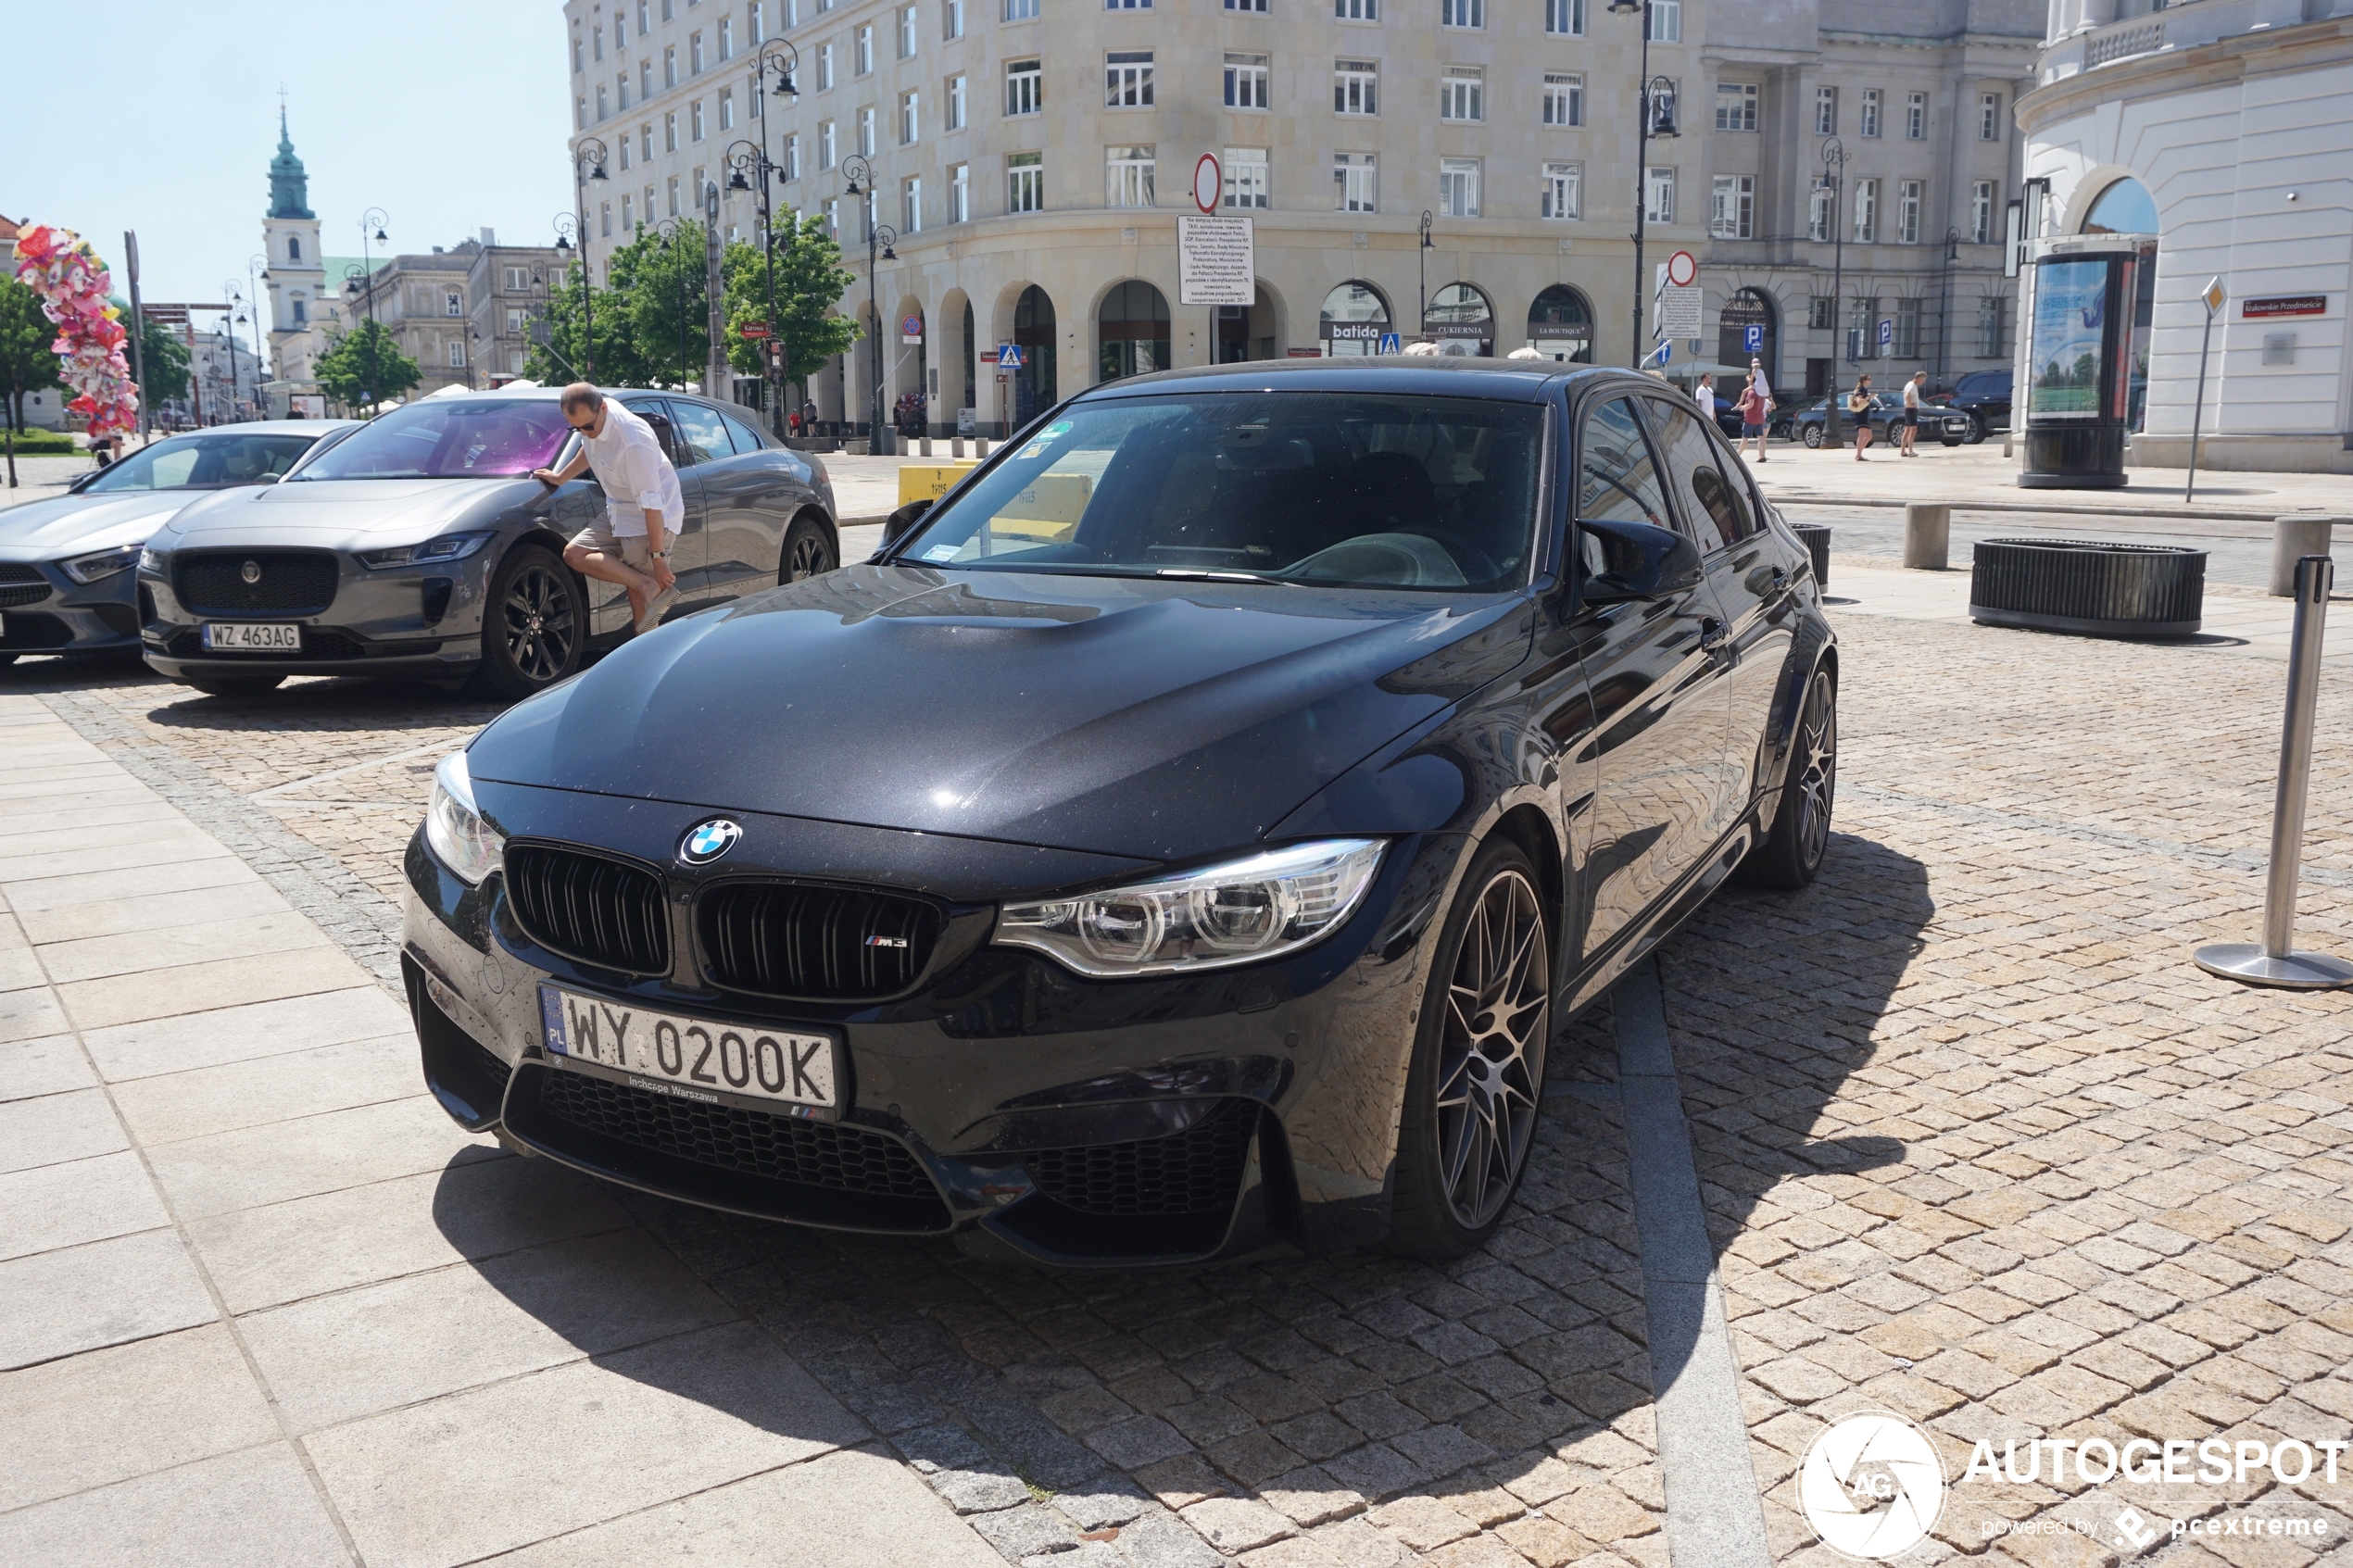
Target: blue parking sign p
<point>1753,339</point>
<point>1886,332</point>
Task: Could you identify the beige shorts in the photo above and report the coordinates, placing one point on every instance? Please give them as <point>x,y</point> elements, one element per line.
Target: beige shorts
<point>632,548</point>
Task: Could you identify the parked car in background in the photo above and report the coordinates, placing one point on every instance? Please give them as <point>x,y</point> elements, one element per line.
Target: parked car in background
<point>1179,841</point>
<point>1948,429</point>
<point>66,578</point>
<point>1984,397</point>
<point>422,547</point>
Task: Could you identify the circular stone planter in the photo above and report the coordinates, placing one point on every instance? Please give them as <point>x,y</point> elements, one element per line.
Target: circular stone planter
<point>1817,539</point>
<point>2088,586</point>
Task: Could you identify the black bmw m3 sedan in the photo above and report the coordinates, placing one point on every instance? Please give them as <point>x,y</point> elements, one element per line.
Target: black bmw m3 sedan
<point>1183,840</point>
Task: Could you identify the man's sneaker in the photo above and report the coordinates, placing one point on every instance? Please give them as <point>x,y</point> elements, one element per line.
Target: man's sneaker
<point>654,607</point>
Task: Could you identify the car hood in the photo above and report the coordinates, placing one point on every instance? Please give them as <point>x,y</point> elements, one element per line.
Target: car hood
<point>72,525</point>
<point>1156,719</point>
<point>349,513</point>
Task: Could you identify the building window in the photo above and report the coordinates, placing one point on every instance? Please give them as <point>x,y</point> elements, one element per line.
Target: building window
<point>755,24</point>
<point>1127,177</point>
<point>825,145</point>
<point>580,113</point>
<point>1462,13</point>
<point>1356,87</point>
<point>645,144</point>
<point>628,214</point>
<point>694,120</point>
<point>1025,182</point>
<point>960,193</point>
<point>601,109</point>
<point>1462,93</point>
<point>1128,80</point>
<point>1458,187</point>
<point>517,278</point>
<point>1020,10</point>
<point>1246,177</point>
<point>1916,118</point>
<point>1869,126</point>
<point>1981,213</point>
<point>1565,17</point>
<point>1563,98</point>
<point>792,156</point>
<point>1907,213</point>
<point>1817,214</point>
<point>1732,207</point>
<point>293,247</point>
<point>1659,196</point>
<point>670,131</point>
<point>955,103</point>
<point>865,56</point>
<point>1989,117</point>
<point>1825,111</point>
<point>1989,328</point>
<point>833,219</point>
<point>649,205</point>
<point>1127,5</point>
<point>866,131</point>
<point>1862,334</point>
<point>600,51</point>
<point>1564,189</point>
<point>1820,312</point>
<point>1024,87</point>
<point>1664,21</point>
<point>1356,10</point>
<point>824,67</point>
<point>604,228</point>
<point>911,205</point>
<point>1736,106</point>
<point>644,80</point>
<point>1908,329</point>
<point>1356,183</point>
<point>907,32</point>
<point>621,93</point>
<point>518,319</point>
<point>579,60</point>
<point>910,119</point>
<point>727,38</point>
<point>1247,81</point>
<point>625,150</point>
<point>301,311</point>
<point>951,19</point>
<point>456,354</point>
<point>1258,7</point>
<point>694,53</point>
<point>1866,212</point>
<point>726,108</point>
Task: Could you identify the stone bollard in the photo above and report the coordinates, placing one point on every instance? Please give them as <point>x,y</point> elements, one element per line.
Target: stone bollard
<point>980,447</point>
<point>2299,534</point>
<point>1928,532</point>
<point>956,447</point>
<point>923,447</point>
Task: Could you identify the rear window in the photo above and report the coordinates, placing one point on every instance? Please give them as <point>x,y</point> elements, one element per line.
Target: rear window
<point>1315,489</point>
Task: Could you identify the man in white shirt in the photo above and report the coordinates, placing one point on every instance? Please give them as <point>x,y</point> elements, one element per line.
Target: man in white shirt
<point>1912,404</point>
<point>644,505</point>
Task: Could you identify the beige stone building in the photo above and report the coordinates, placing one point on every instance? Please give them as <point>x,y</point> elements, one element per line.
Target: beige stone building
<point>1034,156</point>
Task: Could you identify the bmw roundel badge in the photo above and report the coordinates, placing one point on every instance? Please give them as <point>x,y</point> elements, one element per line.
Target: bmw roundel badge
<point>705,841</point>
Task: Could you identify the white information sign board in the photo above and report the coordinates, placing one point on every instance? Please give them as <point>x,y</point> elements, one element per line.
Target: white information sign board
<point>1679,311</point>
<point>1216,260</point>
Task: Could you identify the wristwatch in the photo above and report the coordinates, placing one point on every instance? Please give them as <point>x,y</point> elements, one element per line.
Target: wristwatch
<point>662,555</point>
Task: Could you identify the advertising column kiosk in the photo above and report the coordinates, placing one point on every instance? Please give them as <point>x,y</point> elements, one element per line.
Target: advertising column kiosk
<point>2086,359</point>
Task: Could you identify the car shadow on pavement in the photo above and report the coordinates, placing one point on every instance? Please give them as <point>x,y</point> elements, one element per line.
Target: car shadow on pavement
<point>1506,1394</point>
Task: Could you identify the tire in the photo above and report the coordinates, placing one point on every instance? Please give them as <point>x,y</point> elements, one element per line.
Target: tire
<point>533,622</point>
<point>1472,1098</point>
<point>1813,435</point>
<point>1976,428</point>
<point>234,685</point>
<point>1791,851</point>
<point>808,551</point>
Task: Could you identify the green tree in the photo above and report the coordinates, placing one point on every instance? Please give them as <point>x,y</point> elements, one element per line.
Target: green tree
<point>26,362</point>
<point>669,306</point>
<point>365,366</point>
<point>564,356</point>
<point>810,281</point>
<point>165,363</point>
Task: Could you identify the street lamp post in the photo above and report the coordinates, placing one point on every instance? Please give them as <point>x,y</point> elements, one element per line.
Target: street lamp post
<point>1657,107</point>
<point>373,218</point>
<point>566,227</point>
<point>880,237</point>
<point>256,274</point>
<point>234,318</point>
<point>1944,310</point>
<point>780,60</point>
<point>1833,179</point>
<point>1421,329</point>
<point>588,157</point>
<point>668,231</point>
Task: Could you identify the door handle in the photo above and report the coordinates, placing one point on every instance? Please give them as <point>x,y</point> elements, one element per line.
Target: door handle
<point>1781,578</point>
<point>1714,637</point>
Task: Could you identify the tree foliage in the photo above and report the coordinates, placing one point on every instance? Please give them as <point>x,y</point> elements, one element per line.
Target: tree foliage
<point>27,364</point>
<point>163,361</point>
<point>365,366</point>
<point>810,281</point>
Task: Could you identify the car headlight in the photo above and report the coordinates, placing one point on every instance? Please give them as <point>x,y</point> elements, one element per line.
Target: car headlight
<point>104,563</point>
<point>454,826</point>
<point>151,560</point>
<point>450,546</point>
<point>1238,912</point>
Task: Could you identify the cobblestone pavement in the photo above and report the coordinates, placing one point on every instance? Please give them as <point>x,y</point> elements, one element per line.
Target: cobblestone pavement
<point>1979,1144</point>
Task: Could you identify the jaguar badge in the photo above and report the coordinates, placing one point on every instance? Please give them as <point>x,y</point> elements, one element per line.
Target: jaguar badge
<point>250,572</point>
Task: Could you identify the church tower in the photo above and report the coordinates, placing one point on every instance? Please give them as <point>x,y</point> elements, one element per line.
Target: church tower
<point>298,272</point>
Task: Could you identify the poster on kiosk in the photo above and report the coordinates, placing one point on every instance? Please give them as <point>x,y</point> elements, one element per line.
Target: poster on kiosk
<point>2087,359</point>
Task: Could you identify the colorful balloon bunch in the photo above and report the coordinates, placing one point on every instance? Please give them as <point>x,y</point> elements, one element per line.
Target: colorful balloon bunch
<point>59,266</point>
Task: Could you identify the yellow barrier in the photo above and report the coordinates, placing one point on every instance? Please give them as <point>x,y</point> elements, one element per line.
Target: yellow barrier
<point>1048,509</point>
<point>929,481</point>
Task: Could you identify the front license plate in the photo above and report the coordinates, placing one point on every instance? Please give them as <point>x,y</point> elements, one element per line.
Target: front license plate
<point>229,636</point>
<point>692,1058</point>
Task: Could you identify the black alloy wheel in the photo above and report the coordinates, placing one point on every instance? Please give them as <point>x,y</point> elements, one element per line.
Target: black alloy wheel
<point>1976,428</point>
<point>1789,856</point>
<point>531,628</point>
<point>806,552</point>
<point>1478,1075</point>
<point>1814,436</point>
<point>234,685</point>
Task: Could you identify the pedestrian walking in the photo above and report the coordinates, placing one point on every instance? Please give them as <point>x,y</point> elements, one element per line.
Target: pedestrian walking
<point>1753,406</point>
<point>1912,390</point>
<point>643,504</point>
<point>1703,394</point>
<point>1858,403</point>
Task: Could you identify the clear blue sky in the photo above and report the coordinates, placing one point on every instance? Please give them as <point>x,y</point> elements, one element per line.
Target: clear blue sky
<point>449,116</point>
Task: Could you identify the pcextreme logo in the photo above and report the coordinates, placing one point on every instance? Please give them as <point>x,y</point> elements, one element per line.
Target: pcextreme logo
<point>1871,1485</point>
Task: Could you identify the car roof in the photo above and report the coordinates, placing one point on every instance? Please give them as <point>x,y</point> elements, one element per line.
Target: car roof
<point>1512,381</point>
<point>549,394</point>
<point>271,427</point>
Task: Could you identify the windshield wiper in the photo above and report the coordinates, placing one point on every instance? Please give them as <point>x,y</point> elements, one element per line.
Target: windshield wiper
<point>1209,575</point>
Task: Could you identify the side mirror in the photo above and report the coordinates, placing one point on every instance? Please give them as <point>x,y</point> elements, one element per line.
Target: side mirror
<point>899,524</point>
<point>83,482</point>
<point>1635,561</point>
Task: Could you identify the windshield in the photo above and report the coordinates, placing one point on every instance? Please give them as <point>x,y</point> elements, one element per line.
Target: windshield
<point>1327,490</point>
<point>447,438</point>
<point>214,460</point>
